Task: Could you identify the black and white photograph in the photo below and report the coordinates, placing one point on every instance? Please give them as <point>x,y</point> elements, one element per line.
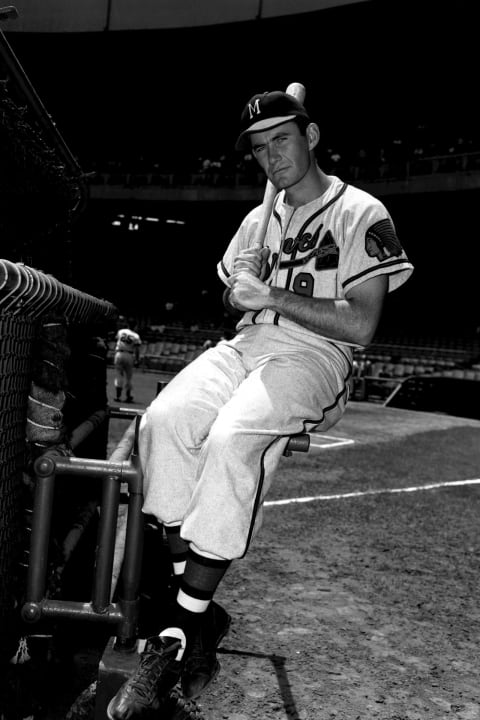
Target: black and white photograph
<point>239,360</point>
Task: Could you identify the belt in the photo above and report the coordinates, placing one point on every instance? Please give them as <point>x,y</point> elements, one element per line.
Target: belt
<point>130,352</point>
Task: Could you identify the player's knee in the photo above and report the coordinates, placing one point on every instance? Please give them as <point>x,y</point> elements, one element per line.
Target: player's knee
<point>159,414</point>
<point>170,417</point>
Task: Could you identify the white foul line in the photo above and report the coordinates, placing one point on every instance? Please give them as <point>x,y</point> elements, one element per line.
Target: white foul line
<point>361,493</point>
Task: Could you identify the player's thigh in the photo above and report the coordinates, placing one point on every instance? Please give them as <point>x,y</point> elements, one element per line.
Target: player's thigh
<point>128,367</point>
<point>194,396</point>
<point>119,371</point>
<point>288,390</point>
<point>123,362</point>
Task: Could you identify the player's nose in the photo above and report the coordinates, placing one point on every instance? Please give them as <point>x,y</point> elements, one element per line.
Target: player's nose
<point>273,152</point>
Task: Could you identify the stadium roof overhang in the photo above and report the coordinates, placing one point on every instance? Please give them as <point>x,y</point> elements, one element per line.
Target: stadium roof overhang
<point>100,15</point>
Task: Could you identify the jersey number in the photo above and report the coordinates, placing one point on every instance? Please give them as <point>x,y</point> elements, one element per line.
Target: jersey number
<point>303,284</point>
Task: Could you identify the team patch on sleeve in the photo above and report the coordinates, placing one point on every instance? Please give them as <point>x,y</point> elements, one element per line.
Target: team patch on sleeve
<point>381,241</point>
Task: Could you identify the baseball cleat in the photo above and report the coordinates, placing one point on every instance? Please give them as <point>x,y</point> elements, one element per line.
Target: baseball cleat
<point>201,664</point>
<point>157,673</point>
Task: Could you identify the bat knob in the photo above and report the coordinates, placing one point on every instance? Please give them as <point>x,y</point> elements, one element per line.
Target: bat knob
<point>297,90</point>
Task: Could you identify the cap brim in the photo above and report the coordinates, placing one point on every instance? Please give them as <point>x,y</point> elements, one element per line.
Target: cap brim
<point>266,124</point>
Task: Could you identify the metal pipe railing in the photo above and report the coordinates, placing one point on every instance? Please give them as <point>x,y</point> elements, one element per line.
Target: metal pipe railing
<point>112,473</point>
<point>102,580</point>
<point>39,537</point>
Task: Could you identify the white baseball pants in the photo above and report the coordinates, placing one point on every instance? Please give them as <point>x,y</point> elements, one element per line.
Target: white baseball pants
<point>210,442</point>
<point>124,362</point>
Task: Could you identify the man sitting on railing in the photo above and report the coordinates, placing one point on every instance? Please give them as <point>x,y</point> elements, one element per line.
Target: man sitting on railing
<point>210,442</point>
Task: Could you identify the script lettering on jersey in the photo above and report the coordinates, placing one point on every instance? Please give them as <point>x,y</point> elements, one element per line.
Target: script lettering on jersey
<point>270,265</point>
<point>307,246</point>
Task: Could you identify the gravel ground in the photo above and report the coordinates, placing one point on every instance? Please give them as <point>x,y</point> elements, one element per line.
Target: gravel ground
<point>360,604</point>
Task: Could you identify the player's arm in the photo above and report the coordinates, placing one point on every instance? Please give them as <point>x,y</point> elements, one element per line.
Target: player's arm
<point>352,319</point>
<point>138,345</point>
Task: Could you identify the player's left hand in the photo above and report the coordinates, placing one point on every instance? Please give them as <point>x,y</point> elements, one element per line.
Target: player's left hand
<point>253,260</point>
<point>248,292</point>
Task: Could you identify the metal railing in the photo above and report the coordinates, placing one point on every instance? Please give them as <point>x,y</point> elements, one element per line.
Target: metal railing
<point>122,467</point>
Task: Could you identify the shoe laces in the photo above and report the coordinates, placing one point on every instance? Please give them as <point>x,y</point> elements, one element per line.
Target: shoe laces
<point>201,653</point>
<point>152,662</point>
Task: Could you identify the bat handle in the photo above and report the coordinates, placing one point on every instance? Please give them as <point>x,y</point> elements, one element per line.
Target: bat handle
<point>297,90</point>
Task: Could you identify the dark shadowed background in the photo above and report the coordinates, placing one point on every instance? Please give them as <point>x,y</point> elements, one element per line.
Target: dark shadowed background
<point>372,70</point>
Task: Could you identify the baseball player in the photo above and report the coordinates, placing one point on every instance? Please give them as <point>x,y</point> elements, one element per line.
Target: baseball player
<point>211,441</point>
<point>127,356</point>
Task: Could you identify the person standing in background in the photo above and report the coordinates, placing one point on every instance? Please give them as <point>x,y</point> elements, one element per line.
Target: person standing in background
<point>127,356</point>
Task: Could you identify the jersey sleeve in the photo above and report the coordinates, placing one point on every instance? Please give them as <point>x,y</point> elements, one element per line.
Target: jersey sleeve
<point>241,240</point>
<point>372,248</point>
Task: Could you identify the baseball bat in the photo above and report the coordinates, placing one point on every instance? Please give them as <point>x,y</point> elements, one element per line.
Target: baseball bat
<point>298,91</point>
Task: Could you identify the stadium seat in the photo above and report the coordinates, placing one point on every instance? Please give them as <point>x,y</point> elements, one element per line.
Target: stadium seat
<point>399,370</point>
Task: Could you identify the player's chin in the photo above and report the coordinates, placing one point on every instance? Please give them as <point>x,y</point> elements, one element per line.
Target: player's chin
<point>283,181</point>
<point>278,178</point>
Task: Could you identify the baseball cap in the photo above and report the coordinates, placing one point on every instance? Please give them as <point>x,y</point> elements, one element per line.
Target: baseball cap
<point>265,111</point>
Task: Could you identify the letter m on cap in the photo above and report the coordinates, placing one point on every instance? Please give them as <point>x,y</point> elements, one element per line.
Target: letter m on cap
<point>254,109</point>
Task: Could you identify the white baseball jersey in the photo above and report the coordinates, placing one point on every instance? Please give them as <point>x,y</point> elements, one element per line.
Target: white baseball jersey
<point>127,341</point>
<point>322,249</point>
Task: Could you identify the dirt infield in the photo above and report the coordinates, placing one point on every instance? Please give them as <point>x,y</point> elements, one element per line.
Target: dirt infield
<point>359,606</point>
<point>358,600</point>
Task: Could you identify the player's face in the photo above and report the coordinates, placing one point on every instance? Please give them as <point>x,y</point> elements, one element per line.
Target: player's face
<point>283,154</point>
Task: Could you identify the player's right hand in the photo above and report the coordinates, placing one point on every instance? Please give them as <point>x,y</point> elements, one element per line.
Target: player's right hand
<point>252,260</point>
<point>248,292</point>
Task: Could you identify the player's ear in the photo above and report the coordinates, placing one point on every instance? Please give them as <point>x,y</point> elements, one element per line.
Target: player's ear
<point>313,135</point>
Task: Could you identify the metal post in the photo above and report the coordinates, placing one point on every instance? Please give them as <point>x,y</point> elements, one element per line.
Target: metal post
<point>132,562</point>
<point>44,469</point>
<point>106,543</point>
<point>134,538</point>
